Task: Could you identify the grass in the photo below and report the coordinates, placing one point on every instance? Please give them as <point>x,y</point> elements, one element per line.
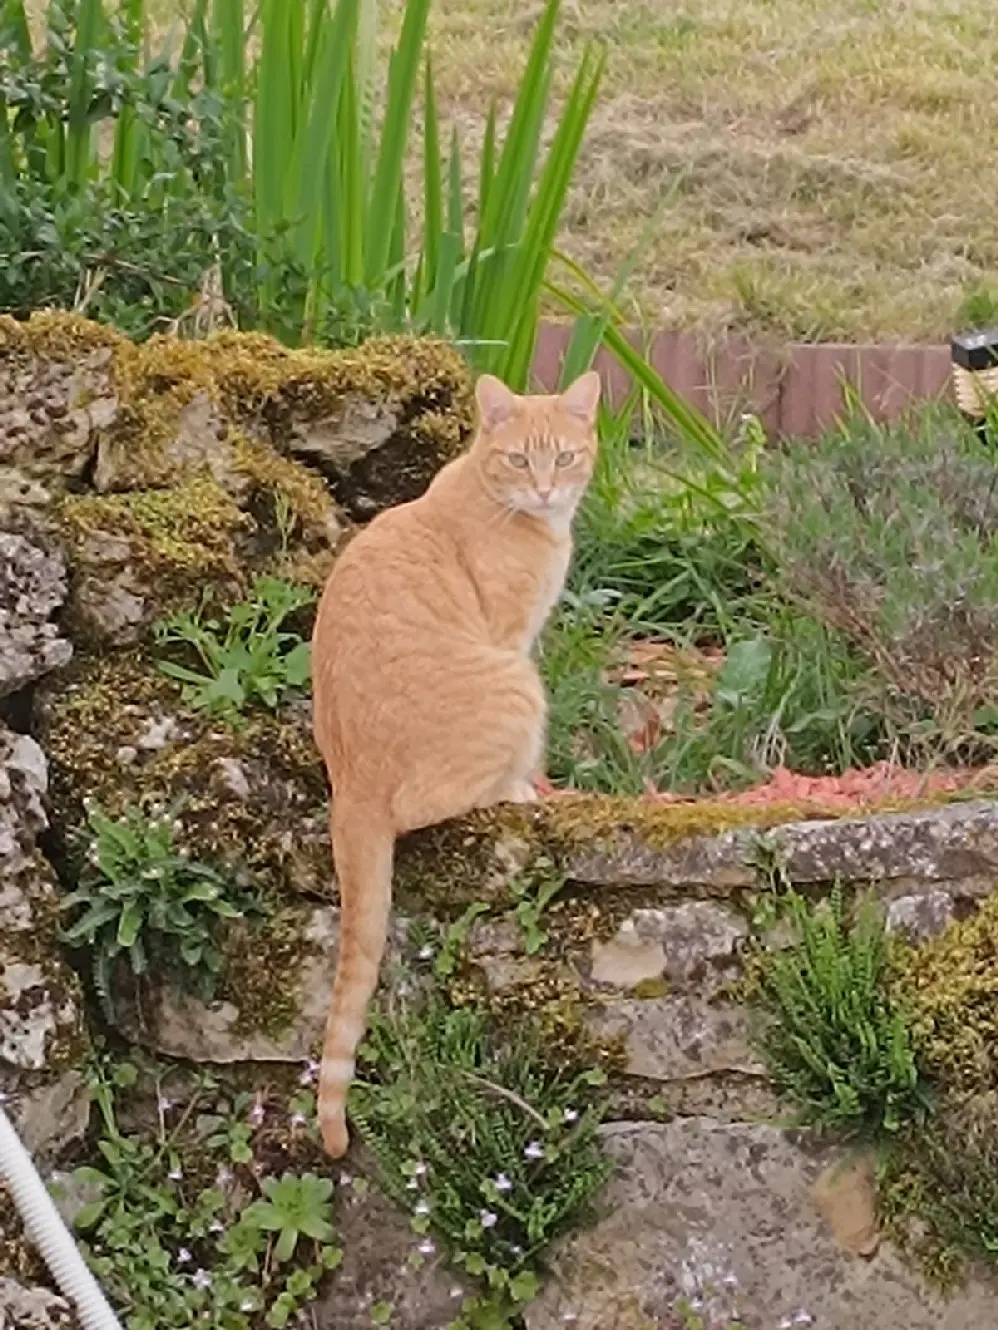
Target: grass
<point>840,162</point>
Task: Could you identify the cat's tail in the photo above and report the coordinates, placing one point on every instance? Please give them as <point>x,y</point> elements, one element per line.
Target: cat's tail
<point>363,847</point>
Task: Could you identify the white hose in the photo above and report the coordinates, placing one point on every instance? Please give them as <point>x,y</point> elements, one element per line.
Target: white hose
<point>45,1227</point>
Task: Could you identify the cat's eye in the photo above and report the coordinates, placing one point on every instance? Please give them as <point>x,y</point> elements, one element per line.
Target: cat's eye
<point>519,460</point>
<point>565,459</point>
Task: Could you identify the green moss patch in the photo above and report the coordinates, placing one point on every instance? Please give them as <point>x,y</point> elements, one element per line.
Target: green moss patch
<point>253,796</point>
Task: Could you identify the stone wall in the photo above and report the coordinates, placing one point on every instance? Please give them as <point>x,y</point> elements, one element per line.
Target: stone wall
<point>131,477</point>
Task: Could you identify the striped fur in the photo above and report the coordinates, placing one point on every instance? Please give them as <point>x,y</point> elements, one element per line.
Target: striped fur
<point>427,703</point>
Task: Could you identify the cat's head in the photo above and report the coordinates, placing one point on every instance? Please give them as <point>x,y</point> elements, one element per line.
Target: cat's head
<point>537,454</point>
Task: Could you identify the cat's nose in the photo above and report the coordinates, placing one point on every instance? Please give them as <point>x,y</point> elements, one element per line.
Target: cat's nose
<point>544,494</point>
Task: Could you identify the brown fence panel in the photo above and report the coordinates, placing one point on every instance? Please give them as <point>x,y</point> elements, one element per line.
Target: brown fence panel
<point>797,391</point>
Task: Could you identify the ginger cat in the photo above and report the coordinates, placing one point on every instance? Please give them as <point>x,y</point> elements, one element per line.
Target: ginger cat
<point>426,701</point>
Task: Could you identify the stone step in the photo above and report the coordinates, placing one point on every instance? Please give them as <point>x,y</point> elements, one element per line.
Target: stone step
<point>720,1222</point>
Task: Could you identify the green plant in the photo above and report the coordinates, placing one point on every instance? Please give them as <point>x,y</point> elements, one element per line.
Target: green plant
<point>483,1144</point>
<point>533,893</point>
<point>292,1208</point>
<point>454,938</point>
<point>248,658</point>
<point>141,898</point>
<point>835,1041</point>
<point>889,535</point>
<point>668,551</point>
<point>174,1238</point>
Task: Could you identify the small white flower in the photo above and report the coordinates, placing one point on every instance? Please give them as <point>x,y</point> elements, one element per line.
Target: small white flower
<point>224,1176</point>
<point>420,1170</point>
<point>426,953</point>
<point>309,1074</point>
<point>456,1291</point>
<point>422,1208</point>
<point>216,1226</point>
<point>175,1173</point>
<point>247,1305</point>
<point>184,1257</point>
<point>201,1279</point>
<point>427,1247</point>
<point>534,1151</point>
<point>803,1318</point>
<point>257,1114</point>
<point>412,1185</point>
<point>571,1115</point>
<point>502,1183</point>
<point>165,1104</point>
<point>516,1249</point>
<point>488,1219</point>
<point>298,1119</point>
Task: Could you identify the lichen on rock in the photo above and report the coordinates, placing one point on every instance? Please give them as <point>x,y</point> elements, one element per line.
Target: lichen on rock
<point>42,1033</point>
<point>32,589</point>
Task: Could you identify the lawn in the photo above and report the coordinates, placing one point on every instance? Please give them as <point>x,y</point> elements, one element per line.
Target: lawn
<point>829,171</point>
<point>837,165</point>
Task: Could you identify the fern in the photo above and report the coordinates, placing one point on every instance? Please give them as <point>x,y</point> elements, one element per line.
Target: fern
<point>834,1041</point>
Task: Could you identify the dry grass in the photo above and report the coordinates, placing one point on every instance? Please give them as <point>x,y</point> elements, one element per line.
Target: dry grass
<point>839,160</point>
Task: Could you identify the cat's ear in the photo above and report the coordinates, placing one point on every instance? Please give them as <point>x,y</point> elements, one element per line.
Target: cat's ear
<point>496,402</point>
<point>582,397</point>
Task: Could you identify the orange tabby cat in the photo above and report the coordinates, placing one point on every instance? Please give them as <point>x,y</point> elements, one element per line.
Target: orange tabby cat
<point>426,701</point>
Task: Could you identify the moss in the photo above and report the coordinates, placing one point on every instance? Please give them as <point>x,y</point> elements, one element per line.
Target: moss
<point>188,528</point>
<point>261,970</point>
<point>54,334</point>
<point>305,499</point>
<point>950,989</point>
<point>939,1188</point>
<point>940,1183</point>
<point>557,1003</point>
<point>276,828</point>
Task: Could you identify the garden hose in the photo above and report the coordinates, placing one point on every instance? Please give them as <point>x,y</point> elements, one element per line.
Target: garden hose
<point>45,1227</point>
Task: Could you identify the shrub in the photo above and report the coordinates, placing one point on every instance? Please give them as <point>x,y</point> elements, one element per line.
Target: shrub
<point>835,1041</point>
<point>479,1140</point>
<point>890,535</point>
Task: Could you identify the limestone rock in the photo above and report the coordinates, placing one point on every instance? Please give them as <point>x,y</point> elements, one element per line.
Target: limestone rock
<point>56,393</point>
<point>720,1217</point>
<point>273,1009</point>
<point>42,1034</point>
<point>680,943</point>
<point>23,1308</point>
<point>377,1243</point>
<point>32,588</point>
<point>952,847</point>
<point>680,1038</point>
<point>846,1197</point>
<point>921,916</point>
